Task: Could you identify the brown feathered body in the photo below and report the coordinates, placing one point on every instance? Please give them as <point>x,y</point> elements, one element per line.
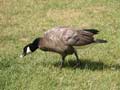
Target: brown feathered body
<point>62,40</point>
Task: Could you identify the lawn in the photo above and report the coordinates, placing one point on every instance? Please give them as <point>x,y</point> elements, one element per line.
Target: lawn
<point>21,21</point>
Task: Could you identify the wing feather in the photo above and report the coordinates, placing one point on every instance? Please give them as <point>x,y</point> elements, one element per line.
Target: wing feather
<point>79,38</point>
<point>69,36</point>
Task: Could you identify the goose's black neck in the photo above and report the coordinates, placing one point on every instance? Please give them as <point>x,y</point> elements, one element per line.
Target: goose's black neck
<point>35,44</point>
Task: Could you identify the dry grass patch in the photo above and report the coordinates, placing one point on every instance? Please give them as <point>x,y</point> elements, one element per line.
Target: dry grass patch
<point>64,15</point>
<point>68,17</point>
<point>97,9</point>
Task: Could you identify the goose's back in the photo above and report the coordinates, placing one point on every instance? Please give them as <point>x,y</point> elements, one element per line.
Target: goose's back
<point>59,33</point>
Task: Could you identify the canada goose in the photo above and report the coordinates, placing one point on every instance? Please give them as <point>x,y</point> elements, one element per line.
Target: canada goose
<point>61,40</point>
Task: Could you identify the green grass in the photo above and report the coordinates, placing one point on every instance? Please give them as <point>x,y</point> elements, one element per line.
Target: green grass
<point>21,21</point>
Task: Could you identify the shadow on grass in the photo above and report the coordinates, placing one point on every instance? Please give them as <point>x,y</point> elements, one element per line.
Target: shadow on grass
<point>90,65</point>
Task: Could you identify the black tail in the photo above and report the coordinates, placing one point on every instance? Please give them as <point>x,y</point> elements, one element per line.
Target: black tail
<point>94,31</point>
<point>100,41</point>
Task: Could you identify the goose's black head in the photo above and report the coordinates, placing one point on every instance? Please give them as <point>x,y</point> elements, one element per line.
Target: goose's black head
<point>31,47</point>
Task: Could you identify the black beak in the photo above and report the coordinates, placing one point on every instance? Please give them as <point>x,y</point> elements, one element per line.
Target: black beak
<point>22,55</point>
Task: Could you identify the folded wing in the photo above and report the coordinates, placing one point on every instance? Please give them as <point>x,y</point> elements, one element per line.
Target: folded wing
<point>79,37</point>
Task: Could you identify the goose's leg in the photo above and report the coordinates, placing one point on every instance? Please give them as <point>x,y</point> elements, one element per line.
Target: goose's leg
<point>62,61</point>
<point>77,58</point>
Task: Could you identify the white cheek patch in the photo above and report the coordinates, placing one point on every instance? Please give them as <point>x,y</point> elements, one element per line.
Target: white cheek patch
<point>28,50</point>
